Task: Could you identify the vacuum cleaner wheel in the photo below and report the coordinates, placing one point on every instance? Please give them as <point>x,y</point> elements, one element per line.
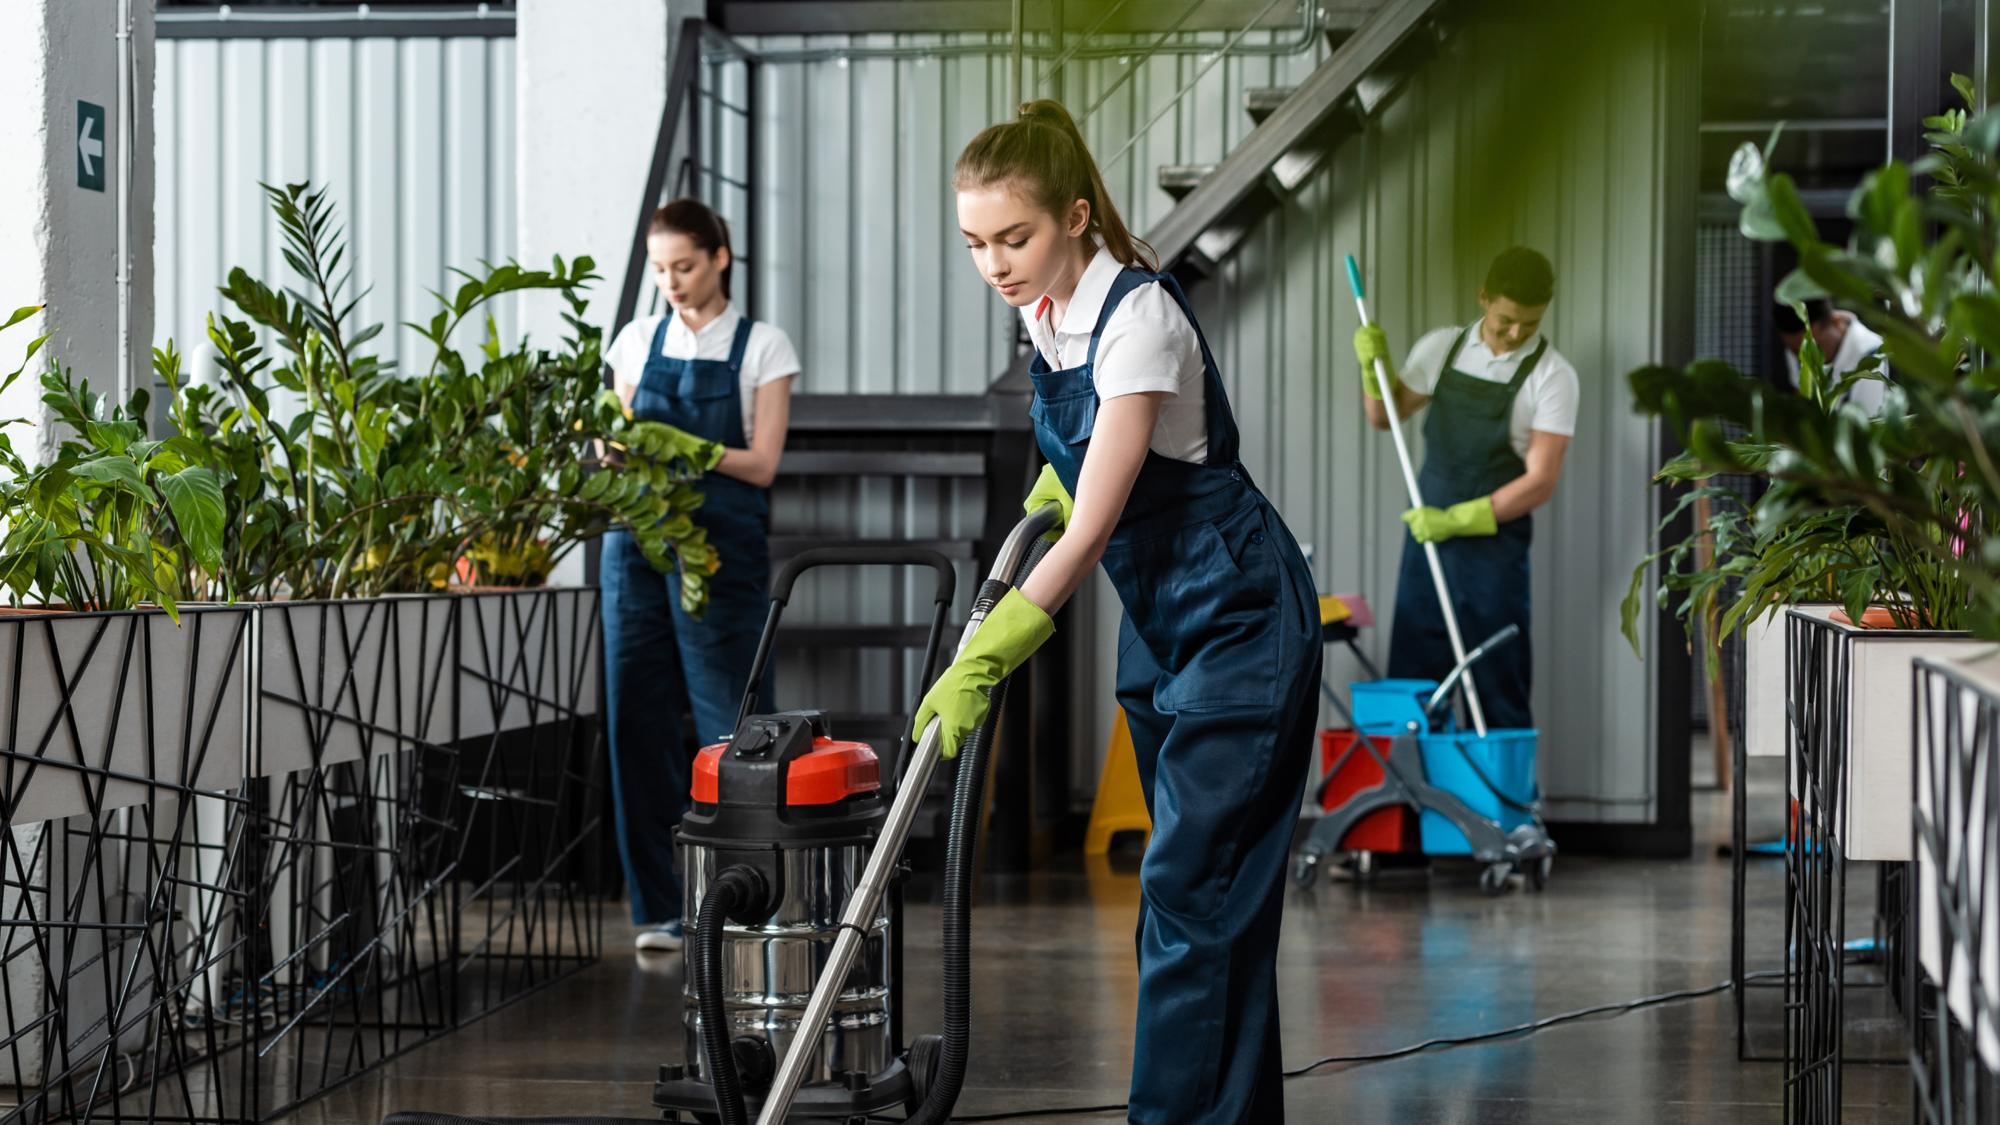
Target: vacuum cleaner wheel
<point>926,1051</point>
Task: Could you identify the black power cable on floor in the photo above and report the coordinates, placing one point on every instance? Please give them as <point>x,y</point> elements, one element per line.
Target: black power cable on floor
<point>1618,1009</point>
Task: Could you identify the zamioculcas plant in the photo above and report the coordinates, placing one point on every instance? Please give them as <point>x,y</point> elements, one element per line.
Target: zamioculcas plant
<point>373,481</point>
<point>113,519</point>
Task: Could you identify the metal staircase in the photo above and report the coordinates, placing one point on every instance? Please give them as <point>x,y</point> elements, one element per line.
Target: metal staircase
<point>1220,204</point>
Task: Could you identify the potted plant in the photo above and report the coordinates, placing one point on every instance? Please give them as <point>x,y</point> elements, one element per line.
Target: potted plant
<point>368,483</point>
<point>1894,512</point>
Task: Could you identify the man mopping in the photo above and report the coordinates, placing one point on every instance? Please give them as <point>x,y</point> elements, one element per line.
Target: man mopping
<point>1500,421</point>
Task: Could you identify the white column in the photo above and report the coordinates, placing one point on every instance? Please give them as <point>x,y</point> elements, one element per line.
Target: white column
<point>590,83</point>
<point>59,239</point>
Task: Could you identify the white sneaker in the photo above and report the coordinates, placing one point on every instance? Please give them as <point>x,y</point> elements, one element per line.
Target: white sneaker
<point>663,938</point>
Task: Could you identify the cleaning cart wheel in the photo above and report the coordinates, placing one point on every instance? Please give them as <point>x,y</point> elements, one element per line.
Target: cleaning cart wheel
<point>1305,870</point>
<point>1493,879</point>
<point>926,1051</point>
<point>1538,872</point>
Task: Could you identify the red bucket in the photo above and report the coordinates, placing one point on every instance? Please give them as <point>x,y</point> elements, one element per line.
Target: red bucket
<point>1384,830</point>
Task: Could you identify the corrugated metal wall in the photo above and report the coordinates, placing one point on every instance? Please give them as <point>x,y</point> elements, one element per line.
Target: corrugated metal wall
<point>1545,132</point>
<point>1548,132</point>
<point>414,136</point>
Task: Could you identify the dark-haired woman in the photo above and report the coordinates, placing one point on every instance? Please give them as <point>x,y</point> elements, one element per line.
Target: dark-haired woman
<point>1218,654</point>
<point>705,367</point>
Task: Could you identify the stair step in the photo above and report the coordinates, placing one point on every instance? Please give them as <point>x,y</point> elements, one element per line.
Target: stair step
<point>1261,101</point>
<point>881,463</point>
<point>1179,179</point>
<point>1389,38</point>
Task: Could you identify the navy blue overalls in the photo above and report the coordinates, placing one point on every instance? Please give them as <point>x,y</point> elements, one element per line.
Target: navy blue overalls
<point>1218,667</point>
<point>1469,452</point>
<point>661,663</point>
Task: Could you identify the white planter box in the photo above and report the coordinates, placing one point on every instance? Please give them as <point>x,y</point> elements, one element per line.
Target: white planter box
<point>1964,824</point>
<point>1764,687</point>
<point>336,679</point>
<point>127,694</point>
<point>1875,723</point>
<point>521,649</point>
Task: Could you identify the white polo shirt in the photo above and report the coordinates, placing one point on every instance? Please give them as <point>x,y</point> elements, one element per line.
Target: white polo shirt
<point>767,355</point>
<point>1856,345</point>
<point>1148,345</point>
<point>1548,401</point>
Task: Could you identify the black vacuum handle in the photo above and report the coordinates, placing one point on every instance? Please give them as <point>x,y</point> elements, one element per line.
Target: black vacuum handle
<point>781,595</point>
<point>947,575</point>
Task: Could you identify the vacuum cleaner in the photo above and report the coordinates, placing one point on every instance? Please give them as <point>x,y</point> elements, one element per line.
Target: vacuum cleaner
<point>792,854</point>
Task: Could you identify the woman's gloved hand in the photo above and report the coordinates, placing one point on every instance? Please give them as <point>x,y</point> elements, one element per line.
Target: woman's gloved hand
<point>1371,344</point>
<point>1011,633</point>
<point>1049,490</point>
<point>1435,525</point>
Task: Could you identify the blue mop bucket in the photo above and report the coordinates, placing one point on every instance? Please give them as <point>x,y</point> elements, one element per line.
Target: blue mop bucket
<point>1389,706</point>
<point>1454,761</point>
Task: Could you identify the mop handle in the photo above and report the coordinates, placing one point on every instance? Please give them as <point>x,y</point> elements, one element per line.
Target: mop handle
<point>1383,383</point>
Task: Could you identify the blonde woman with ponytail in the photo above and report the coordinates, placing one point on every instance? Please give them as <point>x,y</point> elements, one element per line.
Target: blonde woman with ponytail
<point>1219,650</point>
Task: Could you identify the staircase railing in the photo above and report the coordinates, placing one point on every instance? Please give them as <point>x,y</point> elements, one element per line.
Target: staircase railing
<point>700,48</point>
<point>1341,77</point>
<point>700,52</point>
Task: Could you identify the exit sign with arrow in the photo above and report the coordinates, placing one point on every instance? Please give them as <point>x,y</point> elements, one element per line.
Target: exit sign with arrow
<point>90,136</point>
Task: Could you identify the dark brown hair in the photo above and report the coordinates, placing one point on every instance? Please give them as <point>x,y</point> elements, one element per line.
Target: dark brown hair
<point>699,222</point>
<point>1042,151</point>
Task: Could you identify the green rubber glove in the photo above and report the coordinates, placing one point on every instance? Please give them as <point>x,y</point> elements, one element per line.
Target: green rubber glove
<point>1371,344</point>
<point>1049,490</point>
<point>1435,525</point>
<point>1011,633</point>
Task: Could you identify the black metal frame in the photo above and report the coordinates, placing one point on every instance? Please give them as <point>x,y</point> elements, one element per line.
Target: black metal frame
<point>305,838</point>
<point>1957,721</point>
<point>1819,658</point>
<point>686,101</point>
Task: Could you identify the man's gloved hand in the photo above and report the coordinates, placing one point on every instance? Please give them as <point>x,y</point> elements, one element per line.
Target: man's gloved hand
<point>1435,525</point>
<point>1049,490</point>
<point>960,699</point>
<point>1371,344</point>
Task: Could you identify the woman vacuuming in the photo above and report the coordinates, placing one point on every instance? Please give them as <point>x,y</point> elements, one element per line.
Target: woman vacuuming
<point>1219,651</point>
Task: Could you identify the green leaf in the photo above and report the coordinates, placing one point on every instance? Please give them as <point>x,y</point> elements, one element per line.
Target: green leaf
<point>1798,288</point>
<point>1790,211</point>
<point>194,494</point>
<point>1745,178</point>
<point>114,469</point>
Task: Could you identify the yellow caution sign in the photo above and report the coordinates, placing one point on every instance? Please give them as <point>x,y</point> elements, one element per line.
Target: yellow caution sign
<point>1120,805</point>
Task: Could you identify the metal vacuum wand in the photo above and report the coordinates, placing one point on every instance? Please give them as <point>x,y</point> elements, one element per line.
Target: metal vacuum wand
<point>1417,501</point>
<point>867,895</point>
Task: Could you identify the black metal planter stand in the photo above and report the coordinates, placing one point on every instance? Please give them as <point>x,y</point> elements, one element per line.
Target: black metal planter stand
<point>1823,993</point>
<point>1954,1048</point>
<point>251,857</point>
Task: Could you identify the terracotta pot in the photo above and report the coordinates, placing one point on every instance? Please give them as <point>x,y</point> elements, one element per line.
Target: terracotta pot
<point>1875,617</point>
<point>33,610</point>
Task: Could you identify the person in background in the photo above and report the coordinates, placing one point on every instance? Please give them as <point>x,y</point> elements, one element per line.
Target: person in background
<point>1843,340</point>
<point>1500,416</point>
<point>706,368</point>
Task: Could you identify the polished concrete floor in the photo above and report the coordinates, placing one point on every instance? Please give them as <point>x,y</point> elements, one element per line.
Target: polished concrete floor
<point>1362,970</point>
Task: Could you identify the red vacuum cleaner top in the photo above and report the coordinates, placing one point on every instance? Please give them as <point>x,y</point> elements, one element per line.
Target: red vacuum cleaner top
<point>828,774</point>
